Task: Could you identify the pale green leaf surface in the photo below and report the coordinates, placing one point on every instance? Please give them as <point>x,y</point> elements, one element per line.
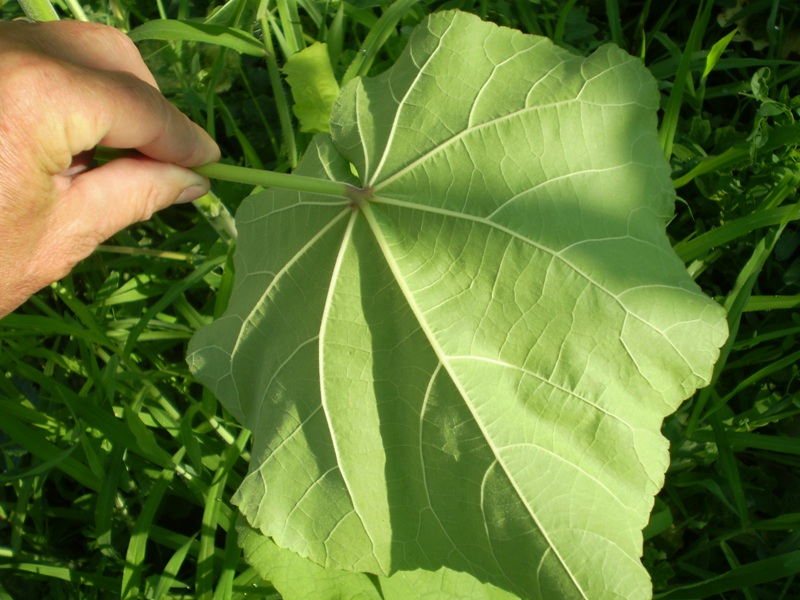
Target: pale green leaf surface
<point>298,578</point>
<point>470,369</point>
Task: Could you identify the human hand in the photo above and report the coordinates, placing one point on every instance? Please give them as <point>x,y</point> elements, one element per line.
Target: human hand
<point>65,88</point>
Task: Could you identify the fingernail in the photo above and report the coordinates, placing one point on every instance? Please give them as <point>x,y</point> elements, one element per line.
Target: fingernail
<point>193,192</point>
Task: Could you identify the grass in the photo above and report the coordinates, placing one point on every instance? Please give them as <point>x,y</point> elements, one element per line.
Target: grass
<point>117,467</point>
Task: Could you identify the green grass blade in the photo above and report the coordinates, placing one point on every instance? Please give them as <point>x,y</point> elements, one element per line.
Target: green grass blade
<point>211,518</point>
<point>250,155</point>
<point>789,521</point>
<point>38,445</point>
<point>25,491</point>
<point>169,296</point>
<point>615,23</point>
<point>40,469</point>
<point>128,433</point>
<point>334,36</point>
<point>376,38</point>
<point>769,569</point>
<point>281,102</point>
<point>762,303</point>
<point>134,558</point>
<point>780,137</point>
<point>734,304</point>
<point>669,123</point>
<point>290,25</point>
<point>770,369</point>
<point>730,469</point>
<point>190,31</point>
<point>660,520</point>
<point>691,249</point>
<point>561,23</point>
<point>103,585</point>
<point>104,507</point>
<point>233,555</point>
<point>169,577</point>
<point>741,440</point>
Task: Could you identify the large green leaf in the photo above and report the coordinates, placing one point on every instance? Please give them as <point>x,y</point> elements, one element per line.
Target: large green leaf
<point>467,364</point>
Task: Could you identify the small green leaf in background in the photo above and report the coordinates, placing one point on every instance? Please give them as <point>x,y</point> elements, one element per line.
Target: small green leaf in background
<point>314,87</point>
<point>466,368</point>
<point>716,52</point>
<point>759,84</point>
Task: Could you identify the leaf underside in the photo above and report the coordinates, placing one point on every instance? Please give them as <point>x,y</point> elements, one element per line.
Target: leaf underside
<point>470,369</point>
<point>301,578</point>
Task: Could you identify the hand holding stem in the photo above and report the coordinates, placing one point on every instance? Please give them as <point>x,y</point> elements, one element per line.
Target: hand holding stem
<point>66,88</point>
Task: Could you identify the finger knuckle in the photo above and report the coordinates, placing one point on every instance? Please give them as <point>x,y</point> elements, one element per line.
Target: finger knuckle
<point>151,194</point>
<point>118,44</point>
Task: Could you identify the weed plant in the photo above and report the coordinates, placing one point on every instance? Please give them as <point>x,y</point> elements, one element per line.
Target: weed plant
<point>117,467</point>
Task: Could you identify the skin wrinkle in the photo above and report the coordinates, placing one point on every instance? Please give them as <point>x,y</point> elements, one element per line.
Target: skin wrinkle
<point>26,222</point>
<point>66,88</point>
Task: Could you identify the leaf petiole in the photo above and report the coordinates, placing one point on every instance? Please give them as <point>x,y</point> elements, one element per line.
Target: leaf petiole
<point>261,177</point>
<point>283,181</point>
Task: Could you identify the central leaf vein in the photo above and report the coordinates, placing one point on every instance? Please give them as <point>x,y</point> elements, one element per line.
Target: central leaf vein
<point>439,351</point>
<point>240,337</point>
<point>420,445</point>
<point>322,388</point>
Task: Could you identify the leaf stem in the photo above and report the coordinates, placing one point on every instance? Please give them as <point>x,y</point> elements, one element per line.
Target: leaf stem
<point>283,181</point>
<point>261,177</point>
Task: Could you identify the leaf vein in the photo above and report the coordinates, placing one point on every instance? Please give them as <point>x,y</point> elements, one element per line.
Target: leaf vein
<point>516,235</point>
<point>402,103</point>
<point>322,391</point>
<point>438,350</point>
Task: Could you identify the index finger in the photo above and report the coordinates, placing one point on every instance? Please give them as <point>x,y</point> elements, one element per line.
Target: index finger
<point>87,107</point>
<point>91,45</point>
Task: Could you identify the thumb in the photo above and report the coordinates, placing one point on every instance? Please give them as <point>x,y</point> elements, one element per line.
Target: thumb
<point>128,190</point>
<point>93,206</point>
